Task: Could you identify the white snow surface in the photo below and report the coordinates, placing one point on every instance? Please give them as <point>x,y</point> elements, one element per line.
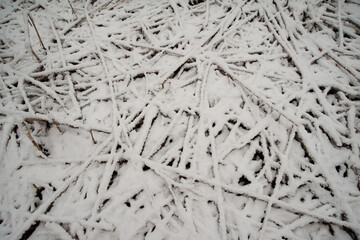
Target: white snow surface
<point>200,119</point>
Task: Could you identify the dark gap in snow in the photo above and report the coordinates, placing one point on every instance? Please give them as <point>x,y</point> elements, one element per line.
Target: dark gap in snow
<point>105,201</point>
<point>243,181</point>
<point>343,216</point>
<point>327,188</point>
<point>27,234</point>
<point>285,179</point>
<point>113,176</point>
<point>118,147</point>
<point>258,156</point>
<point>306,153</point>
<point>208,151</point>
<point>217,45</point>
<point>295,102</point>
<point>206,133</point>
<point>128,204</point>
<point>244,127</point>
<point>299,73</point>
<point>188,165</point>
<point>195,2</point>
<point>135,196</point>
<point>171,162</point>
<point>17,138</point>
<point>333,142</point>
<point>52,187</point>
<point>139,124</point>
<point>314,197</point>
<point>44,150</point>
<point>145,168</point>
<point>39,191</point>
<point>232,121</point>
<point>273,184</point>
<point>319,176</point>
<point>161,146</point>
<point>351,233</point>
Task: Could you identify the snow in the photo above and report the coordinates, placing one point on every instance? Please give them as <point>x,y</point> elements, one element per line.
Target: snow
<point>199,119</point>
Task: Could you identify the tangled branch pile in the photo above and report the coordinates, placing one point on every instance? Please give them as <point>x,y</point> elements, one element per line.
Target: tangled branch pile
<point>179,120</point>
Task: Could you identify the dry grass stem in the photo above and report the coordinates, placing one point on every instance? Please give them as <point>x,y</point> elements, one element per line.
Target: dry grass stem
<point>28,134</point>
<point>37,32</point>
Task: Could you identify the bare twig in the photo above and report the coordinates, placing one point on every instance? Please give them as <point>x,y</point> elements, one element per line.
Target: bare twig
<point>37,32</point>
<point>92,136</point>
<point>33,52</point>
<point>30,137</point>
<point>72,9</point>
<point>55,122</point>
<point>27,37</point>
<point>35,119</point>
<point>57,125</point>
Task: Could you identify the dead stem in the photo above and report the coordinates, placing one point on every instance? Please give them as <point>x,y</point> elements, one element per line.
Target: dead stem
<point>92,136</point>
<point>33,52</point>
<point>57,125</point>
<point>30,137</point>
<point>37,32</point>
<point>72,9</point>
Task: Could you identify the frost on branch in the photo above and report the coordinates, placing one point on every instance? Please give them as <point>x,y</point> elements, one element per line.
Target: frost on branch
<point>179,119</point>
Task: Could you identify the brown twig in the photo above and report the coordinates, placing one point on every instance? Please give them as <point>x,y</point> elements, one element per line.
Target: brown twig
<point>54,122</point>
<point>72,9</point>
<point>43,120</point>
<point>57,125</point>
<point>37,32</point>
<point>342,65</point>
<point>92,136</point>
<point>35,119</point>
<point>30,137</point>
<point>33,52</point>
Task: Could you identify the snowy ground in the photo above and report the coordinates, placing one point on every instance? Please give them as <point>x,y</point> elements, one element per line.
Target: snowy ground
<point>179,120</point>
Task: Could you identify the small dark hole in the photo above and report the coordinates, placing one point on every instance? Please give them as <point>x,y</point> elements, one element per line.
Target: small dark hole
<point>207,133</point>
<point>145,168</point>
<point>243,181</point>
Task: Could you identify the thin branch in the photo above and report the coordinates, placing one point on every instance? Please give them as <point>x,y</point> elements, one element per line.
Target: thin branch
<point>37,32</point>
<point>92,136</point>
<point>28,134</point>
